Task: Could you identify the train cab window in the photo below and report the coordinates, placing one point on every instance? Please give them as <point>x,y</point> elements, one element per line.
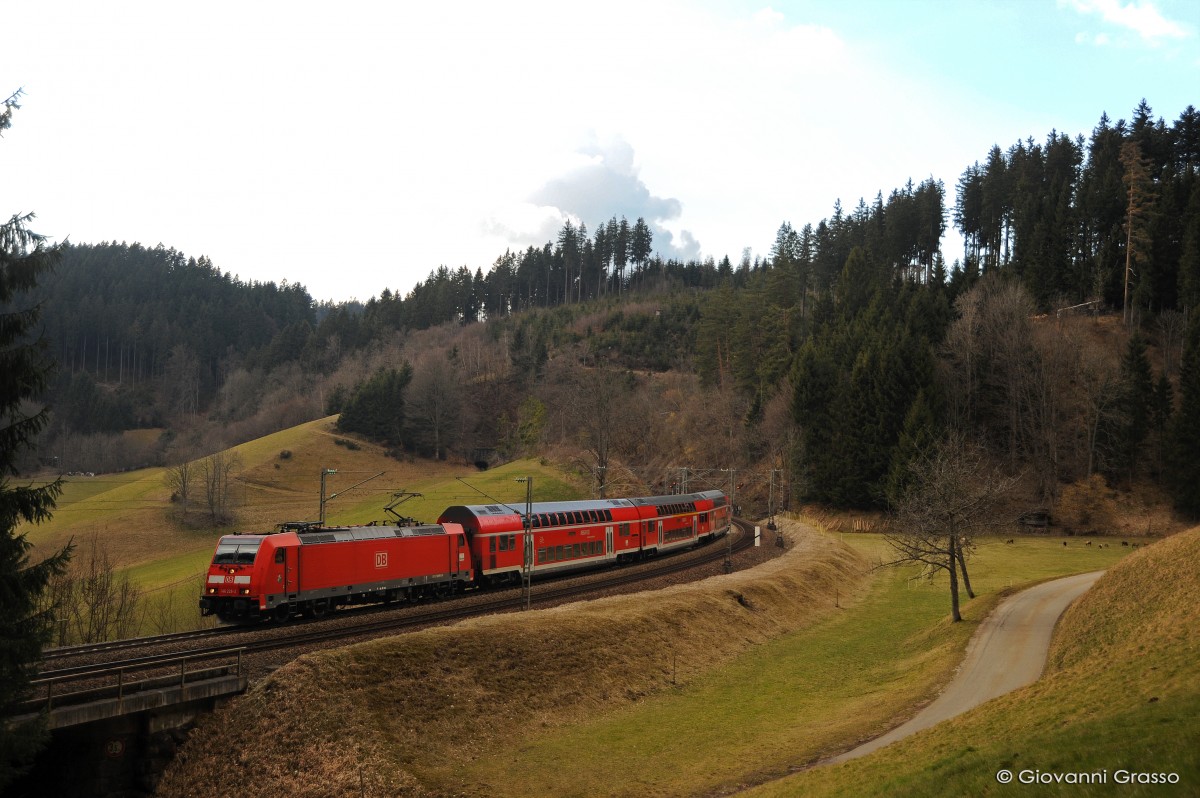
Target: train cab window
<point>279,555</point>
<point>236,553</point>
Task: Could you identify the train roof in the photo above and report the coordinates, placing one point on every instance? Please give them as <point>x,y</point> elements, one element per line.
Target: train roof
<point>676,498</point>
<point>518,508</point>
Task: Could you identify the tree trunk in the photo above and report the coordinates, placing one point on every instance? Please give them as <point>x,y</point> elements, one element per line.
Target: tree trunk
<point>962,562</point>
<point>954,613</point>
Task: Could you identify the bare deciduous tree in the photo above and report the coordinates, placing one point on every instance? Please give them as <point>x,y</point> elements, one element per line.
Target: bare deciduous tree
<point>954,494</point>
<point>179,478</point>
<point>215,471</point>
<point>92,601</point>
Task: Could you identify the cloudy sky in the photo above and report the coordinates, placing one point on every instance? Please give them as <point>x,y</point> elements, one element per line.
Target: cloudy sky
<point>358,145</point>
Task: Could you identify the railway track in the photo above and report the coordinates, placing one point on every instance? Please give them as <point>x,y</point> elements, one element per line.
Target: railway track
<point>213,648</point>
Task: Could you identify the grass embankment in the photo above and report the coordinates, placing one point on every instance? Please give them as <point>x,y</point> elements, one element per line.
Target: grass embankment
<point>277,478</point>
<point>1121,692</point>
<point>683,692</point>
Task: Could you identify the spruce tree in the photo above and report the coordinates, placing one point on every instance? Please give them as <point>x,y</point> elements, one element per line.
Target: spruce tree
<point>1183,469</point>
<point>1136,402</point>
<point>25,625</point>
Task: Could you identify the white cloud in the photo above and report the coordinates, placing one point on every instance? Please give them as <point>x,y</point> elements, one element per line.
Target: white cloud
<point>1140,16</point>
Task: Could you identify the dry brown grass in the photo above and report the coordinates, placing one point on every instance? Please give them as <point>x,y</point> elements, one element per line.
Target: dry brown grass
<point>401,713</point>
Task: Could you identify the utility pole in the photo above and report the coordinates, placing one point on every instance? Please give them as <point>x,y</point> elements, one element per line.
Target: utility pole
<point>324,473</point>
<point>527,571</point>
<point>327,471</point>
<point>771,502</point>
<point>729,534</point>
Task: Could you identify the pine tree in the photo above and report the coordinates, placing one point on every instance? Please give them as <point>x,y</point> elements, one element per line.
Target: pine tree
<point>376,409</point>
<point>1183,471</point>
<point>1138,206</point>
<point>1136,402</point>
<point>25,625</point>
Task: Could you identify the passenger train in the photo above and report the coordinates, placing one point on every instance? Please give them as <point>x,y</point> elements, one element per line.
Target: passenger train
<point>309,569</point>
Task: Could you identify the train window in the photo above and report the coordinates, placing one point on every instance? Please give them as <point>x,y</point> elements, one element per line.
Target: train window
<point>558,553</point>
<point>512,542</point>
<point>541,556</point>
<point>241,552</point>
<point>535,521</point>
<point>624,530</point>
<point>608,515</point>
<point>279,555</point>
<point>492,545</point>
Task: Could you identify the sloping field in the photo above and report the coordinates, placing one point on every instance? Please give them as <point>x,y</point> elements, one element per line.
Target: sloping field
<point>277,478</point>
<point>423,714</point>
<point>1121,696</point>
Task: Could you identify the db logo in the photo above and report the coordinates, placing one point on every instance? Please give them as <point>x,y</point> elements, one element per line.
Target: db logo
<point>229,580</point>
<point>381,559</point>
<point>114,748</point>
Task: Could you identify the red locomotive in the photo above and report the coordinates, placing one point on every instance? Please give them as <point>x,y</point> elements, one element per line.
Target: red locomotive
<point>581,534</point>
<point>310,569</point>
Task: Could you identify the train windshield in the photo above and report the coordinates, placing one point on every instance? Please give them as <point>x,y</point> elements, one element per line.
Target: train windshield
<point>236,552</point>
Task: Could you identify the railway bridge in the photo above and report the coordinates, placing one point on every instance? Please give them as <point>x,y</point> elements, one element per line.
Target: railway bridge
<point>118,737</point>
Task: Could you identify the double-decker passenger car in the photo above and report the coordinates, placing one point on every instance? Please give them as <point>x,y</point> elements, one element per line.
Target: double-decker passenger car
<point>579,534</point>
<point>310,569</point>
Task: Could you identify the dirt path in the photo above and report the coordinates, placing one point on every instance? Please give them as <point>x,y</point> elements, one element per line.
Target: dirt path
<point>1007,651</point>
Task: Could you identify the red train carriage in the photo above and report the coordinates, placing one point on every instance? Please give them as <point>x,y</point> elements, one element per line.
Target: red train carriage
<point>311,570</point>
<point>579,534</point>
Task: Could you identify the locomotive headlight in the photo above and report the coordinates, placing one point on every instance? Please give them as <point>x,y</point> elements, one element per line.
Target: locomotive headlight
<point>245,591</point>
<point>230,570</point>
<point>212,590</point>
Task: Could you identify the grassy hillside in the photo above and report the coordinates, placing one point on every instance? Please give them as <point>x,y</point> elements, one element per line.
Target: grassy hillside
<point>696,690</point>
<point>1121,692</point>
<point>133,520</point>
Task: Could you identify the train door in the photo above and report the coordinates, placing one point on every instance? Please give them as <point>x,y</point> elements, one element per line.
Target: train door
<point>291,571</point>
<point>491,552</point>
<point>695,527</point>
<point>608,540</point>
